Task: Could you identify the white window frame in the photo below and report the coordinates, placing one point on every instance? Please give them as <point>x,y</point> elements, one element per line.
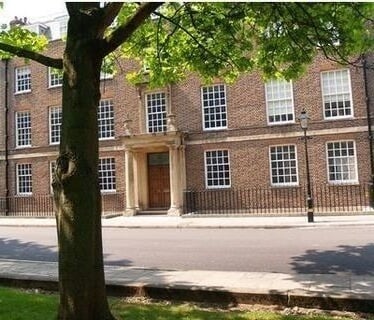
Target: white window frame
<point>340,182</point>
<point>269,101</point>
<point>207,186</point>
<point>163,112</point>
<point>52,168</point>
<point>284,184</point>
<point>350,116</point>
<point>106,76</point>
<point>145,68</point>
<point>26,131</point>
<point>63,27</point>
<point>54,127</point>
<point>106,109</point>
<point>204,108</point>
<point>24,71</point>
<point>110,161</point>
<point>27,166</point>
<point>57,81</point>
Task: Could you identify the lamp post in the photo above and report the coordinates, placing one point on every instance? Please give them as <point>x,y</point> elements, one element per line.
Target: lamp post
<point>304,121</point>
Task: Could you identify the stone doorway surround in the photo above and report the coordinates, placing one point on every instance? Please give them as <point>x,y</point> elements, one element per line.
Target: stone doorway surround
<point>136,176</point>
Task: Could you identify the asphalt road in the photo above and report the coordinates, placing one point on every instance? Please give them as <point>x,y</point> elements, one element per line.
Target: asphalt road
<point>314,250</point>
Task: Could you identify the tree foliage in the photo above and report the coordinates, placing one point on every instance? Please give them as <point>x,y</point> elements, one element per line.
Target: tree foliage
<point>225,39</point>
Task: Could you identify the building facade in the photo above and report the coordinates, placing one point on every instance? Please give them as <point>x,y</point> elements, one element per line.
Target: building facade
<point>157,144</point>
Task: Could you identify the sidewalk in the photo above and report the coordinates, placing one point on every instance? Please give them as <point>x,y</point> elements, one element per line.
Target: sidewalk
<point>208,222</point>
<point>325,291</point>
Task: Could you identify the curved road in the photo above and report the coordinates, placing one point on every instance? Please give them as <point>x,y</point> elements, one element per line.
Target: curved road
<point>308,250</point>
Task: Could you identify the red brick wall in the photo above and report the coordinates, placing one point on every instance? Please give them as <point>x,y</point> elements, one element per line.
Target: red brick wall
<point>2,178</point>
<point>246,108</point>
<point>250,164</point>
<point>246,105</point>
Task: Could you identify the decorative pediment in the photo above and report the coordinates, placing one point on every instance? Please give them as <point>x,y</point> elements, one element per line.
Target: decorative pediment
<point>153,140</point>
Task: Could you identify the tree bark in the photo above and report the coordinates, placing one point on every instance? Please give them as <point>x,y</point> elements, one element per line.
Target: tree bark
<point>76,189</point>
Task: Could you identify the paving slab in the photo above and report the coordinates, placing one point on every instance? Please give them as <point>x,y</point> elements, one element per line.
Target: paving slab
<point>208,222</point>
<point>333,291</point>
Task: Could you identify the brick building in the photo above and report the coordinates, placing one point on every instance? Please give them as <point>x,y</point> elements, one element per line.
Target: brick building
<point>156,144</point>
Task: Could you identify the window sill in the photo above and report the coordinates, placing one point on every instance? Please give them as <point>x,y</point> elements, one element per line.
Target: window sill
<point>215,129</point>
<point>23,147</point>
<point>282,186</point>
<point>105,139</point>
<point>339,118</point>
<point>21,92</point>
<point>343,183</point>
<point>54,87</point>
<point>218,188</point>
<point>272,124</point>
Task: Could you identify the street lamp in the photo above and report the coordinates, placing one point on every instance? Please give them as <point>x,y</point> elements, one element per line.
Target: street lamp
<point>304,121</point>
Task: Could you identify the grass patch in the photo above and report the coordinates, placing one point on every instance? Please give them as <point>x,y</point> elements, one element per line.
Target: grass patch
<point>16,304</point>
<point>27,305</point>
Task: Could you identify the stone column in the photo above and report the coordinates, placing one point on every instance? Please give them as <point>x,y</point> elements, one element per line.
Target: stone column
<point>130,183</point>
<point>182,172</point>
<point>175,199</point>
<point>136,180</point>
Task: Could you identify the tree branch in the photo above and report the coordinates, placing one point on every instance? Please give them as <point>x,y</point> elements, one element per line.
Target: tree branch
<point>109,13</point>
<point>288,29</point>
<point>337,56</point>
<point>24,53</point>
<point>165,43</point>
<point>369,19</point>
<point>193,38</point>
<point>78,7</point>
<point>124,32</point>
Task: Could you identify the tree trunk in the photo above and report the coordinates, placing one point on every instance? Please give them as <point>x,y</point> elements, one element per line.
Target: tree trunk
<point>76,188</point>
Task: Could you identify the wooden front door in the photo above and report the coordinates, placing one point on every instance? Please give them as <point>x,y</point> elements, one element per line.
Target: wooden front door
<point>158,180</point>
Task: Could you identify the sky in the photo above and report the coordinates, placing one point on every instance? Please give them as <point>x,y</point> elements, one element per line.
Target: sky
<point>34,10</point>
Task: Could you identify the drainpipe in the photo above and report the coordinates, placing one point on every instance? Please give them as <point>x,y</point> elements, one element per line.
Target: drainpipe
<point>6,101</point>
<point>370,131</point>
<point>6,111</point>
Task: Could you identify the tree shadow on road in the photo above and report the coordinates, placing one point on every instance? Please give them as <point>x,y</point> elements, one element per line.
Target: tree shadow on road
<point>345,274</point>
<point>24,250</point>
<point>355,260</point>
<point>29,250</point>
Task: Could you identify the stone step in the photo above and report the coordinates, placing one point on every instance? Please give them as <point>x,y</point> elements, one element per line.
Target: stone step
<point>152,212</point>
